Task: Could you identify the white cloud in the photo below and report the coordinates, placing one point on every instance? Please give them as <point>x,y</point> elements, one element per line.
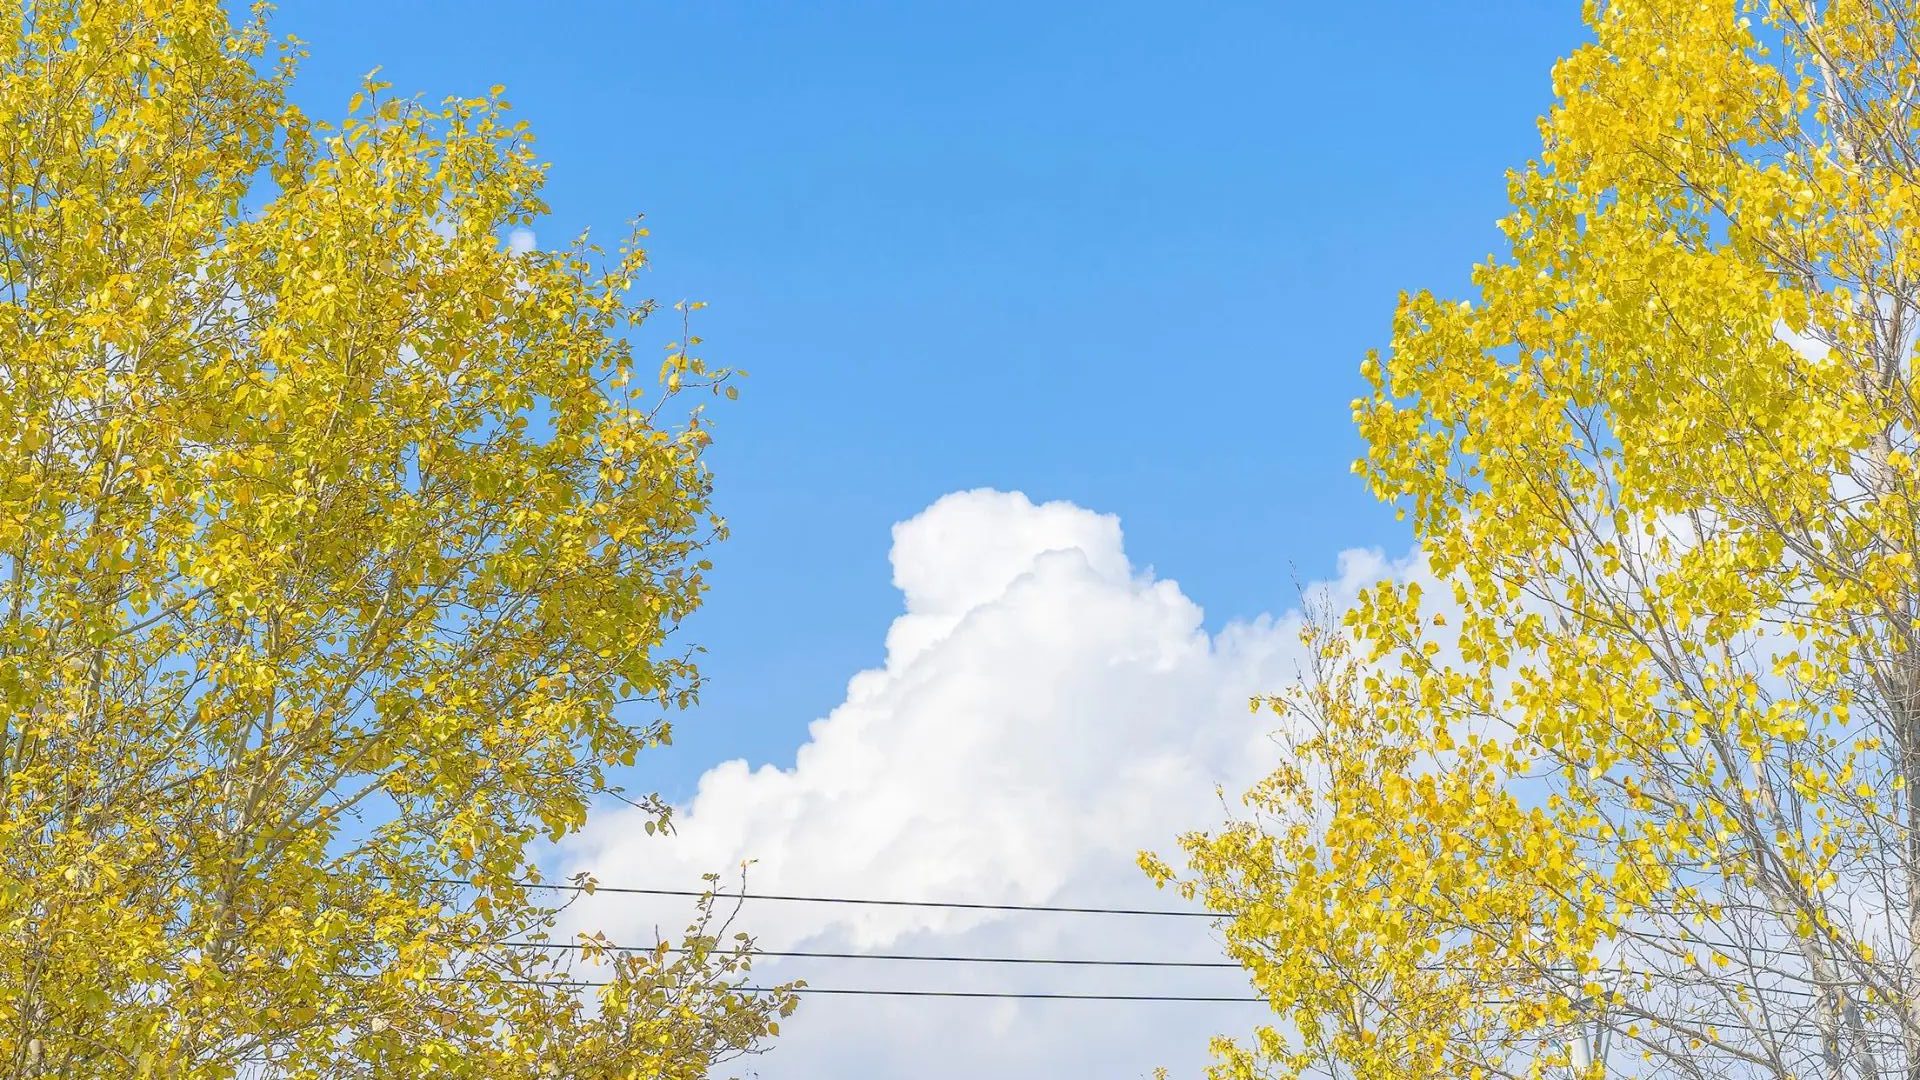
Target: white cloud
<point>521,241</point>
<point>1045,711</point>
<point>1807,345</point>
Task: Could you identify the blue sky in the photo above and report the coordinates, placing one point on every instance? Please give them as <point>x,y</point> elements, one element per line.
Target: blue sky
<point>1124,259</point>
<point>1123,254</point>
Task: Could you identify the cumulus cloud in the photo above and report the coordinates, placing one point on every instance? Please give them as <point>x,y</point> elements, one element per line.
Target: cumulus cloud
<point>1045,711</point>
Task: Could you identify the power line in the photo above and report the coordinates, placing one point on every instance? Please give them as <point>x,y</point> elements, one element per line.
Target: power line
<point>1636,973</point>
<point>1002,994</point>
<point>1041,961</point>
<point>1623,931</point>
<point>807,954</point>
<point>1012,995</point>
<point>967,905</point>
<point>1655,1021</point>
<point>814,955</point>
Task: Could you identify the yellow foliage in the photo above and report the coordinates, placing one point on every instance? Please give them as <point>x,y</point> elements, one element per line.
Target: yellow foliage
<point>330,539</point>
<point>1648,772</point>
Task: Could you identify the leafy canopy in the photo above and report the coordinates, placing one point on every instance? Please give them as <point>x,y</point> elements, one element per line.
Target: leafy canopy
<point>1628,787</point>
<point>332,533</point>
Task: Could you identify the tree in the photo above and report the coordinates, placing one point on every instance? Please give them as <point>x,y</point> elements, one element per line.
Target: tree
<point>1628,787</point>
<point>332,533</point>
